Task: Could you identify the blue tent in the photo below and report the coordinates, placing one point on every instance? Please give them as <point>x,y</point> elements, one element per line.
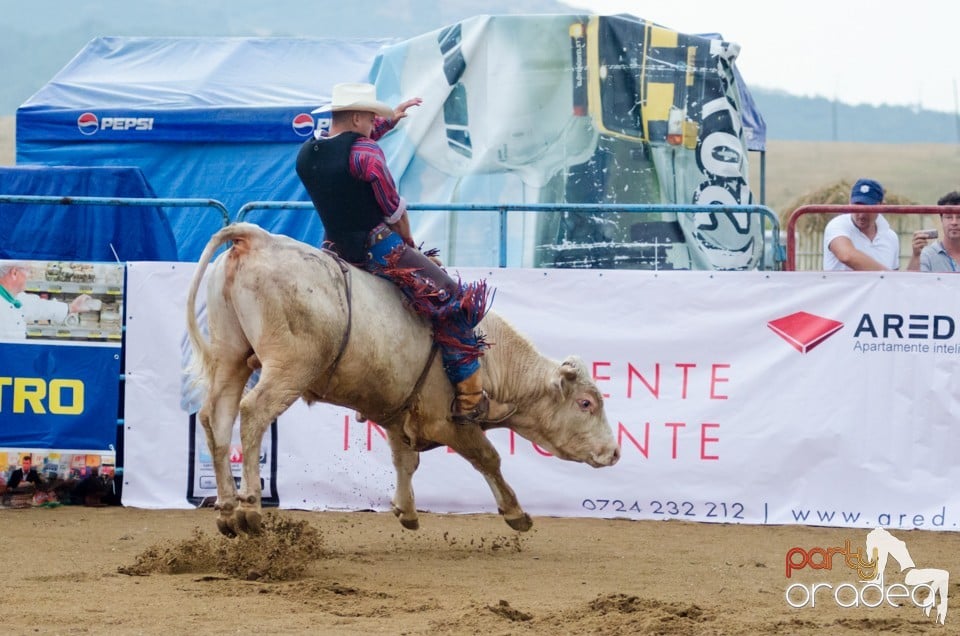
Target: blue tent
<point>82,232</point>
<point>210,118</point>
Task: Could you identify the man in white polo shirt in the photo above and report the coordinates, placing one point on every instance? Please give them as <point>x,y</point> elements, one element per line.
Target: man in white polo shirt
<point>861,240</point>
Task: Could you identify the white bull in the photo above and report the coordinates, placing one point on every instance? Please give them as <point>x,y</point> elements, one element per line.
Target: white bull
<point>325,331</point>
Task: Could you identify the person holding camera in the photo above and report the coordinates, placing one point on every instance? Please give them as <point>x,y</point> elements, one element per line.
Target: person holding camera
<point>862,239</point>
<point>942,255</point>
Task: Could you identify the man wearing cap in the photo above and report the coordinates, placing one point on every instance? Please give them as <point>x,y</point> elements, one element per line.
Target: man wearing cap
<point>861,240</point>
<point>366,223</point>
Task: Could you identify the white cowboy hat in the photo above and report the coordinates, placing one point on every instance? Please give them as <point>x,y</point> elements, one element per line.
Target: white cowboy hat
<point>356,96</point>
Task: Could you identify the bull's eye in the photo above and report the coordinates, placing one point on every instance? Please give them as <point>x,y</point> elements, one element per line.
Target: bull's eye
<point>585,404</point>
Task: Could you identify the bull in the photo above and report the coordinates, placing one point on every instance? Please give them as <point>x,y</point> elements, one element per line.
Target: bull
<point>322,330</point>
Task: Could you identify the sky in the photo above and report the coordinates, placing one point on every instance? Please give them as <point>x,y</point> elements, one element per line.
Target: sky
<point>855,51</point>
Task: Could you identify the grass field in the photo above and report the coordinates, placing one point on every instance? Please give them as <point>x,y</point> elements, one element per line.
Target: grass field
<point>794,169</point>
<point>918,172</point>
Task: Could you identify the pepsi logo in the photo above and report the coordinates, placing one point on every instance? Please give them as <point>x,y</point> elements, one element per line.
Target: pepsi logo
<point>303,124</point>
<point>88,124</point>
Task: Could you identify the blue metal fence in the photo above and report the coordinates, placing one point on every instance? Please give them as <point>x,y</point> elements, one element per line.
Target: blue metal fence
<point>156,203</point>
<point>772,257</point>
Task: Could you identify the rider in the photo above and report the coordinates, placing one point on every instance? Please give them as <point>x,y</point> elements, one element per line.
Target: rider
<point>366,223</point>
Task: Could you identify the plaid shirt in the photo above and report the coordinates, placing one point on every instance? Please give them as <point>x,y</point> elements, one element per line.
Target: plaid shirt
<point>367,163</point>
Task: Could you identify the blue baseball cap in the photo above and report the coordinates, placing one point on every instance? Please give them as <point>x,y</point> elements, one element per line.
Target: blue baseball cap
<point>866,192</point>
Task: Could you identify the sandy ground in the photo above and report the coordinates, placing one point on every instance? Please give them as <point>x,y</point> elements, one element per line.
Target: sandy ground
<point>116,570</point>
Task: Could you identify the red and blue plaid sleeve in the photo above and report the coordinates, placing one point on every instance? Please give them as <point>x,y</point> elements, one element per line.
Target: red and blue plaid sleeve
<point>367,163</point>
<point>381,126</point>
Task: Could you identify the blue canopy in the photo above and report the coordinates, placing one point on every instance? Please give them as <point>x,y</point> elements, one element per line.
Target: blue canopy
<point>82,232</point>
<point>211,118</point>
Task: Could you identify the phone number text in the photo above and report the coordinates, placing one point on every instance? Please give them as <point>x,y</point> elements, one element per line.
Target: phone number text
<point>705,510</point>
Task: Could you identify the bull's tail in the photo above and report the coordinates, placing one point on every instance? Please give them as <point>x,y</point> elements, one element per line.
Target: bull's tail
<point>242,234</point>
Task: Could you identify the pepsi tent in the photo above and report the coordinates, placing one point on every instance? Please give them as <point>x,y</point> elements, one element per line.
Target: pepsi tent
<point>210,118</point>
<point>517,109</point>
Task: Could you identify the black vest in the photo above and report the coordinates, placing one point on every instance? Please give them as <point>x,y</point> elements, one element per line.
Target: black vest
<point>347,207</point>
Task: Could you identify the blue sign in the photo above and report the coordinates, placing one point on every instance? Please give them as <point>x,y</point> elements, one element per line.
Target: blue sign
<point>60,396</point>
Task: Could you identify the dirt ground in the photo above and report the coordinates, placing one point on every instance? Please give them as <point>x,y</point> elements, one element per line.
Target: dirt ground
<point>116,570</point>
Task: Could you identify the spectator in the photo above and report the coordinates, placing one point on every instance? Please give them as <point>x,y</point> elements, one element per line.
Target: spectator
<point>861,240</point>
<point>942,255</point>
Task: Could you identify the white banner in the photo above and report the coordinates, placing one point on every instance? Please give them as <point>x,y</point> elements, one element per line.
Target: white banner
<point>738,397</point>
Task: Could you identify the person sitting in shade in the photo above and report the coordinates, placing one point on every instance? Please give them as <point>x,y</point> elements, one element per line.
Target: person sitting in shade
<point>861,240</point>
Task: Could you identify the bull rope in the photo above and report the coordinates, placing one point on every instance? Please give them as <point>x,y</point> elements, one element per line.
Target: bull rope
<point>408,403</point>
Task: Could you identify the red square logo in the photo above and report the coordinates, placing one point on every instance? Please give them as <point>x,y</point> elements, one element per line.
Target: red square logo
<point>804,331</point>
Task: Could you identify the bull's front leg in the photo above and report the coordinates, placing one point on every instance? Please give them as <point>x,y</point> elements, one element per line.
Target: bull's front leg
<point>471,442</point>
<point>406,460</point>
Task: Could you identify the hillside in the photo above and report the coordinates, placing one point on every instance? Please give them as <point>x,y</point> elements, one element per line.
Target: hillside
<point>794,118</point>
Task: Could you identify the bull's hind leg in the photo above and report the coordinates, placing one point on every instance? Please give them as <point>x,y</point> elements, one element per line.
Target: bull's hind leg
<point>217,416</point>
<point>406,460</point>
<point>473,445</point>
<point>271,396</point>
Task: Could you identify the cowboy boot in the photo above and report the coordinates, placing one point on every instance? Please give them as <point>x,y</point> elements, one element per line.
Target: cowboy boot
<point>472,405</point>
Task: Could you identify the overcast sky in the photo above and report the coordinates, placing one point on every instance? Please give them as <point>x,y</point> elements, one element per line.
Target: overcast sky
<point>856,51</point>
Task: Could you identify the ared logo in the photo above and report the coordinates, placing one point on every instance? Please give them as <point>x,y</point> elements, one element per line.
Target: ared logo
<point>88,124</point>
<point>303,124</point>
<point>804,331</point>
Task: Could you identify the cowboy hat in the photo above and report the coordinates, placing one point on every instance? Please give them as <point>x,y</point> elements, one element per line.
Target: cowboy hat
<point>356,96</point>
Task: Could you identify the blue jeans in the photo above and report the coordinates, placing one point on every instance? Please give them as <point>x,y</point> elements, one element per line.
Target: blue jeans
<point>453,309</point>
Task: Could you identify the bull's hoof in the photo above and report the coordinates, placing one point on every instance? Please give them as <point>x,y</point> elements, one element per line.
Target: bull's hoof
<point>410,523</point>
<point>249,521</point>
<point>226,528</point>
<point>521,523</point>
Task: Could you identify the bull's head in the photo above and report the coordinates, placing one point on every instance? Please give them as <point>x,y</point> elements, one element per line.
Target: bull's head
<point>568,419</point>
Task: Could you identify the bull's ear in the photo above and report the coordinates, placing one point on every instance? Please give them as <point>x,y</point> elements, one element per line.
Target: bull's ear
<point>566,375</point>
